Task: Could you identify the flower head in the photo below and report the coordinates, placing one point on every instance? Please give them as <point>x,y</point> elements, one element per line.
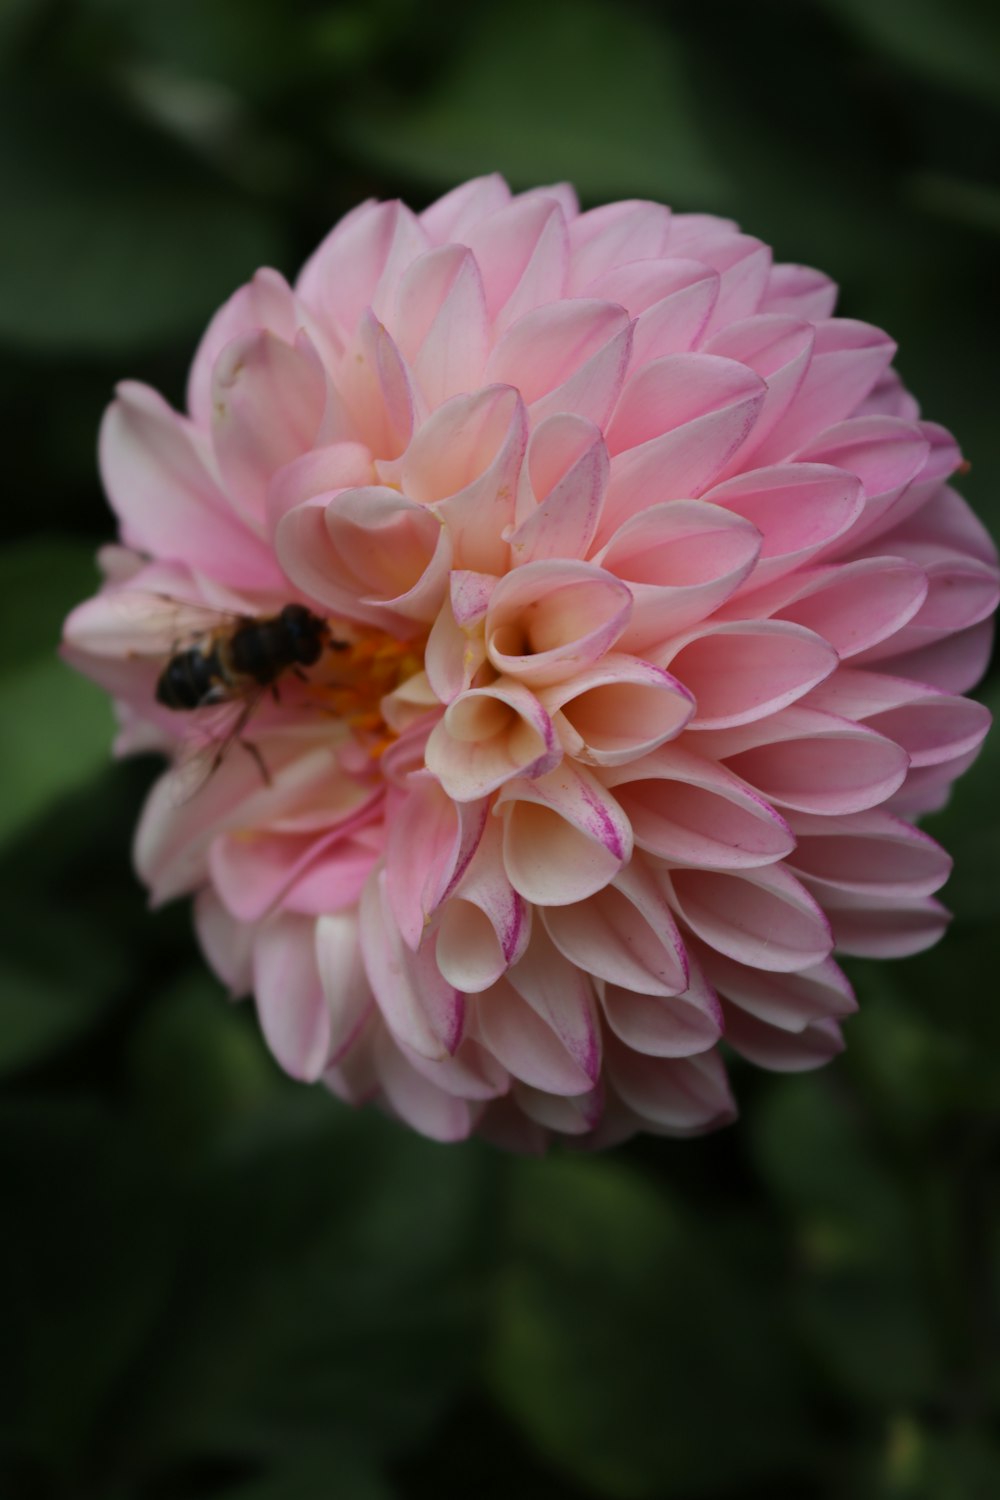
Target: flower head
<point>639,607</point>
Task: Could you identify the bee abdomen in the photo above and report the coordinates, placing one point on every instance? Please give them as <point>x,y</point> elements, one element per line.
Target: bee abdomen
<point>188,679</point>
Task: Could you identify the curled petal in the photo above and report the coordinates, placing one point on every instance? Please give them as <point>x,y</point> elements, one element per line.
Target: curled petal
<point>563,997</point>
<point>866,925</point>
<point>782,1051</point>
<point>521,251</point>
<point>848,358</point>
<point>548,620</point>
<point>617,710</point>
<point>763,917</point>
<point>441,325</point>
<point>932,727</point>
<point>681,560</point>
<point>748,670</point>
<point>430,841</point>
<point>869,851</point>
<point>624,935</point>
<point>673,1095</point>
<point>345,987</point>
<point>812,762</point>
<point>434,1111</point>
<point>565,836</point>
<point>854,606</point>
<point>489,735</point>
<point>692,811</point>
<point>665,1025</point>
<point>484,925</point>
<point>542,1050</point>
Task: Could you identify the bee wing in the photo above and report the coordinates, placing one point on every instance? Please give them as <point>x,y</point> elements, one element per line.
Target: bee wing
<point>126,622</point>
<point>211,735</point>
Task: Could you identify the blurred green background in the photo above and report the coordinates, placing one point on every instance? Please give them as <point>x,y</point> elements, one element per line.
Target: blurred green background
<point>219,1284</point>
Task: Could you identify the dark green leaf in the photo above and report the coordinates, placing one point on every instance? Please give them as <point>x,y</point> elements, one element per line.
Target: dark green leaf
<point>577,89</point>
<point>57,727</point>
<point>638,1358</point>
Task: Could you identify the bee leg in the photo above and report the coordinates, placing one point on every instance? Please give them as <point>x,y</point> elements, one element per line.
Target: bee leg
<point>302,676</point>
<point>258,760</point>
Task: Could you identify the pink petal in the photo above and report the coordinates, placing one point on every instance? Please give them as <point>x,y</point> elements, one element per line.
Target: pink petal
<point>867,852</point>
<point>563,997</point>
<point>359,263</point>
<point>441,325</point>
<point>812,762</point>
<point>429,843</point>
<point>954,664</point>
<point>520,249</point>
<point>764,917</point>
<point>547,347</point>
<point>932,727</point>
<point>867,925</point>
<point>681,560</point>
<point>345,988</point>
<point>565,836</point>
<point>787,1001</point>
<point>464,462</point>
<point>321,471</point>
<point>782,1051</point>
<point>619,709</point>
<point>156,469</point>
<point>561,490</point>
<point>801,291</point>
<point>624,935</point>
<point>489,735</point>
<point>452,216</point>
<point>885,453</point>
<point>606,236</point>
<point>386,551</point>
<point>679,420</point>
<point>690,811</point>
<point>569,1116</point>
<point>131,622</point>
<point>268,303</point>
<point>665,1025</point>
<point>799,510</point>
<point>267,401</point>
<point>851,605</point>
<point>776,347</point>
<point>294,1015</point>
<point>376,404</point>
<point>848,358</point>
<point>484,925</point>
<point>530,1047</point>
<point>547,620</point>
<point>226,943</point>
<point>673,1096</point>
<point>416,1100</point>
<point>421,1010</point>
<point>747,670</point>
<point>175,829</point>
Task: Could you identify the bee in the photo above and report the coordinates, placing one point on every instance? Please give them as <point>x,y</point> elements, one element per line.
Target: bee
<point>232,666</point>
<point>240,662</point>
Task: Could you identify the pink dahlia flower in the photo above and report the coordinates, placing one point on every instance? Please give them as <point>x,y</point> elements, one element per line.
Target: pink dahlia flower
<point>643,610</point>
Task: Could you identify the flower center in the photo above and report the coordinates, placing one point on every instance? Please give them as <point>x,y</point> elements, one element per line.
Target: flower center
<point>364,667</point>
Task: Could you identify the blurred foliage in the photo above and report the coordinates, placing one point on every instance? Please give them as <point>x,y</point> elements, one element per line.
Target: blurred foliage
<point>222,1285</point>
